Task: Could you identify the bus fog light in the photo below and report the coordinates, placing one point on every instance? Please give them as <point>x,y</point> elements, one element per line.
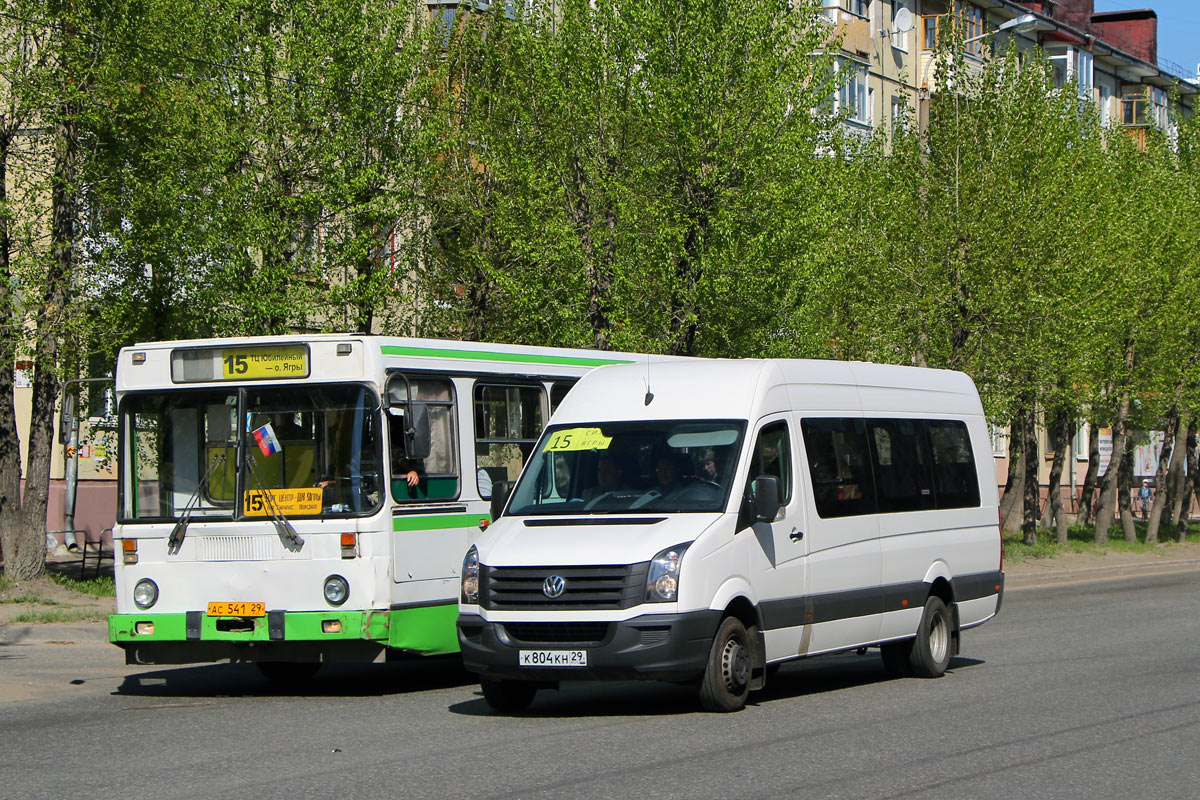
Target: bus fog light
<point>143,628</point>
<point>331,626</point>
<point>337,589</point>
<point>145,593</point>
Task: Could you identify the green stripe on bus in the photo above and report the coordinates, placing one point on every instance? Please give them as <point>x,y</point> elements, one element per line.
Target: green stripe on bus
<point>487,355</point>
<point>428,629</point>
<point>439,522</point>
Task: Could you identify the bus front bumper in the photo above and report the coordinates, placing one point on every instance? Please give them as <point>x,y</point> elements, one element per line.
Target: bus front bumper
<point>348,636</point>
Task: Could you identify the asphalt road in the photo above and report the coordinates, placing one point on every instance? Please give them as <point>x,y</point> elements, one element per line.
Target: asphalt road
<point>1080,691</point>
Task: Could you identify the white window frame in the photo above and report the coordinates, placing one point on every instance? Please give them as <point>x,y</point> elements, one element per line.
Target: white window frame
<point>859,8</point>
<point>854,94</point>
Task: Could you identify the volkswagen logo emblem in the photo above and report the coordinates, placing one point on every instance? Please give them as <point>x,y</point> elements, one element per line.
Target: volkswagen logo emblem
<point>554,586</point>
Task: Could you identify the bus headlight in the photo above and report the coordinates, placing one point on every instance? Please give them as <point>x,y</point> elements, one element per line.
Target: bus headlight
<point>145,593</point>
<point>470,577</point>
<point>337,589</point>
<point>662,582</point>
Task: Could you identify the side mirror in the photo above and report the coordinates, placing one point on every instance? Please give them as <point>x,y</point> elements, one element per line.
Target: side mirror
<point>765,505</point>
<point>501,491</point>
<point>416,432</point>
<point>66,418</point>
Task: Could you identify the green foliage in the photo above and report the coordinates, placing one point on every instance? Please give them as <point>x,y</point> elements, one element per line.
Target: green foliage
<point>1081,539</point>
<point>102,586</point>
<point>631,176</point>
<point>61,615</point>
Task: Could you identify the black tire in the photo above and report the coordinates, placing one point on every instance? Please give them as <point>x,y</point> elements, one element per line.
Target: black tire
<point>508,697</point>
<point>288,674</point>
<point>896,657</point>
<point>726,681</point>
<point>931,650</point>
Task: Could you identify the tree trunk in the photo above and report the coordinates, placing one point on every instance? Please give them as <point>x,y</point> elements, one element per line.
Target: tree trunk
<point>1125,489</point>
<point>1165,459</point>
<point>1013,488</point>
<point>1060,433</point>
<point>1109,487</point>
<point>1191,483</point>
<point>1176,480</point>
<point>1084,512</point>
<point>1031,493</point>
<point>10,448</point>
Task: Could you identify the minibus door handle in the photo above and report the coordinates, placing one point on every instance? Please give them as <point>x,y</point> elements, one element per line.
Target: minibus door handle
<point>796,535</point>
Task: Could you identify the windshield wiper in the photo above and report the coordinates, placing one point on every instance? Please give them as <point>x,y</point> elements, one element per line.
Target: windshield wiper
<point>180,530</point>
<point>282,525</point>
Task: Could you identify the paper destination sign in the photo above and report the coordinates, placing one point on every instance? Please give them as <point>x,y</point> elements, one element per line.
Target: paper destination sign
<point>289,502</point>
<point>242,363</point>
<point>577,439</point>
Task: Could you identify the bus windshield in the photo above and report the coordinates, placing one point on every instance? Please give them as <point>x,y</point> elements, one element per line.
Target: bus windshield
<point>621,467</point>
<point>306,452</point>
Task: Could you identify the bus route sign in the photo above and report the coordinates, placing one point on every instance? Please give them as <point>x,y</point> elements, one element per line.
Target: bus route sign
<point>289,502</point>
<point>249,363</point>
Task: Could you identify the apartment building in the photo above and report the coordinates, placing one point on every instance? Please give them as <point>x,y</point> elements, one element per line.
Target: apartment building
<point>1112,57</point>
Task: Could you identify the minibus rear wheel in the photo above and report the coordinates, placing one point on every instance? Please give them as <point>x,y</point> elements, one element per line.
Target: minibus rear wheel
<point>726,681</point>
<point>508,697</point>
<point>934,645</point>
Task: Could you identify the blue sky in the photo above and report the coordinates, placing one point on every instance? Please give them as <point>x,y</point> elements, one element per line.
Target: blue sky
<point>1178,28</point>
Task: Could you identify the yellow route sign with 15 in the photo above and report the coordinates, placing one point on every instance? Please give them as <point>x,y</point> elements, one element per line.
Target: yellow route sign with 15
<point>577,439</point>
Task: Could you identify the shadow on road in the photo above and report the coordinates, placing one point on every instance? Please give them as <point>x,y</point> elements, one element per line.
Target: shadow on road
<point>333,680</point>
<point>641,699</point>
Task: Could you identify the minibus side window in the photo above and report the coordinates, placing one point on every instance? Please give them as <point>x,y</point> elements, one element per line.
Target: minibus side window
<point>900,460</point>
<point>839,465</point>
<point>955,480</point>
<point>773,456</point>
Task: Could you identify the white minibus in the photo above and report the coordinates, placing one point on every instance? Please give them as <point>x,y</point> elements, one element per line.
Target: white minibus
<point>706,521</point>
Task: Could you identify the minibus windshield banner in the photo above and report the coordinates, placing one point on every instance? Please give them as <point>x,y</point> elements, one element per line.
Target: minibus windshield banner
<point>577,439</point>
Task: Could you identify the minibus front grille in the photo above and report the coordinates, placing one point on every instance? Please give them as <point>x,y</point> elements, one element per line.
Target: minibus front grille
<point>605,587</point>
<point>557,632</point>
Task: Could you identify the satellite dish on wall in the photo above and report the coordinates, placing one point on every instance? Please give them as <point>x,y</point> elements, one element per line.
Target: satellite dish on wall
<point>902,22</point>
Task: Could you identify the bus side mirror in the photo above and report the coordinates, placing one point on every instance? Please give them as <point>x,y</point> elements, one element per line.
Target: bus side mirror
<point>766,505</point>
<point>501,490</point>
<point>416,432</point>
<point>66,418</point>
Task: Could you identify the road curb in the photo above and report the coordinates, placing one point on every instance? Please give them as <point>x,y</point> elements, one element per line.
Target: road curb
<point>1053,577</point>
<point>53,632</point>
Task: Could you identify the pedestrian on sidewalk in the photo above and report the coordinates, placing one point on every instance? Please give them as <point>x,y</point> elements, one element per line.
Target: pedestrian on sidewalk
<point>1144,495</point>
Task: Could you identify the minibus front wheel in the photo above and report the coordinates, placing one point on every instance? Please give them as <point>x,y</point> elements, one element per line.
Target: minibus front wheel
<point>726,681</point>
<point>508,697</point>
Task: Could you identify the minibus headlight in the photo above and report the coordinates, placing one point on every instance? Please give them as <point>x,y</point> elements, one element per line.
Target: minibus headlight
<point>145,593</point>
<point>337,589</point>
<point>470,577</point>
<point>662,582</point>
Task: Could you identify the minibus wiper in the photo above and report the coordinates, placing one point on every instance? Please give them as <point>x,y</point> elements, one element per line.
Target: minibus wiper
<point>281,522</point>
<point>180,529</point>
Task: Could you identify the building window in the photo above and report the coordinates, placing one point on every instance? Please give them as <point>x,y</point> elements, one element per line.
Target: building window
<point>900,113</point>
<point>861,8</point>
<point>1072,65</point>
<point>1144,106</point>
<point>1105,106</point>
<point>967,19</point>
<point>852,92</point>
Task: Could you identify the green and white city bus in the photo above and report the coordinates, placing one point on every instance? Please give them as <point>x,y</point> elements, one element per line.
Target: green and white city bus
<point>292,500</point>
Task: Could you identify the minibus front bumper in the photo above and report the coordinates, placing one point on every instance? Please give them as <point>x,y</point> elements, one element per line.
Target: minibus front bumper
<point>667,647</point>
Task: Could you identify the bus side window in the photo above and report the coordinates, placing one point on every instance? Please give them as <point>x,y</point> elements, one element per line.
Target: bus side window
<point>439,475</point>
<point>508,422</point>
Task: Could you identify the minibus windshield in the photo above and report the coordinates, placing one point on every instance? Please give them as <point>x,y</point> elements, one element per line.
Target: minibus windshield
<point>622,467</point>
